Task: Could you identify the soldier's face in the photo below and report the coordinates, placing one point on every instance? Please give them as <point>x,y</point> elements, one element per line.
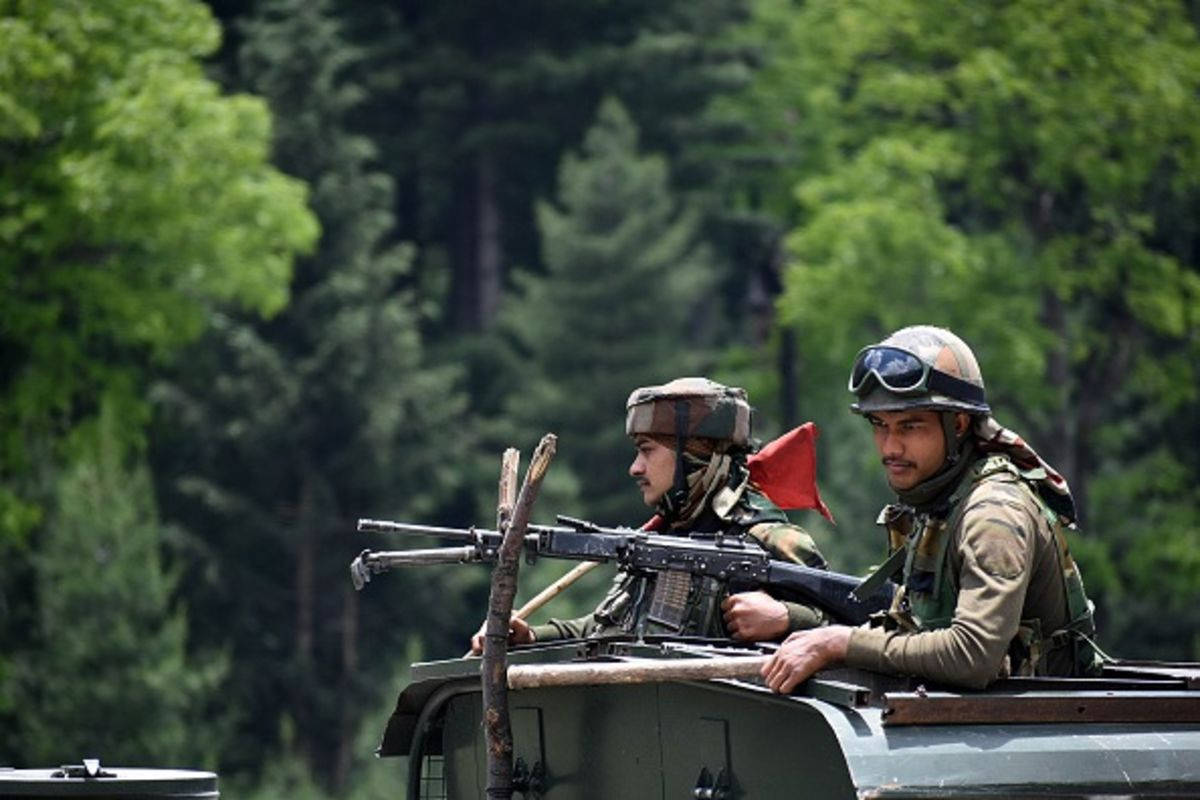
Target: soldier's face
<point>653,468</point>
<point>911,445</point>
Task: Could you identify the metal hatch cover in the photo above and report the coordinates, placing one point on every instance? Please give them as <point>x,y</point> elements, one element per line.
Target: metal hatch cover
<point>1128,692</point>
<point>122,783</point>
<point>944,708</point>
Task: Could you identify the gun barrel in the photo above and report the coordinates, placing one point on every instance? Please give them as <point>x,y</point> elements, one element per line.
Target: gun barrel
<point>387,526</point>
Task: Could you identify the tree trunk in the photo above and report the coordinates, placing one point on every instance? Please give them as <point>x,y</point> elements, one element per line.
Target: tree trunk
<point>789,402</point>
<point>763,297</point>
<point>537,676</point>
<point>478,256</point>
<point>1057,444</point>
<point>305,592</point>
<point>349,715</point>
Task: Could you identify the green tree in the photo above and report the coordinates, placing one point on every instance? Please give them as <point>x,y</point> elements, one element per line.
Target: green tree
<point>616,308</point>
<point>1020,174</point>
<point>132,194</point>
<point>133,197</point>
<point>275,436</point>
<point>489,101</point>
<point>111,674</point>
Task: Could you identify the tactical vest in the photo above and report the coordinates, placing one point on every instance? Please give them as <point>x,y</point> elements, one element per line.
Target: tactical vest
<point>929,590</point>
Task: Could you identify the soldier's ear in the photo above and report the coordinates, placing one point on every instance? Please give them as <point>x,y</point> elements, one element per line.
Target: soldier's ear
<point>962,424</point>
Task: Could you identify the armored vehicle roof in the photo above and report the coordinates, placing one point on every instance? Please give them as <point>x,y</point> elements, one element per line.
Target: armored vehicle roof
<point>1135,732</point>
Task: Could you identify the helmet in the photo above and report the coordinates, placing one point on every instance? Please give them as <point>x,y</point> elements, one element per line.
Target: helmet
<point>690,407</point>
<point>919,367</point>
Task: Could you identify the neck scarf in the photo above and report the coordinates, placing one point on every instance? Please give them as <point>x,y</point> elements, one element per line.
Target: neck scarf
<point>993,437</point>
<point>987,437</point>
<point>704,476</point>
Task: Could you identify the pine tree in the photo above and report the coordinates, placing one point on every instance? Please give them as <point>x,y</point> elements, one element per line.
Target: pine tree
<point>278,435</point>
<point>111,675</point>
<point>474,106</point>
<point>134,195</point>
<point>624,270</point>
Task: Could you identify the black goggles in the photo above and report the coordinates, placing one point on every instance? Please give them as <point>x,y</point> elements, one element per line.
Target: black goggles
<point>900,372</point>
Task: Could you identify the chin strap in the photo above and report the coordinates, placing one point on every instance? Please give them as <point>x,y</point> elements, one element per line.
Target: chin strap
<point>677,497</point>
<point>953,443</point>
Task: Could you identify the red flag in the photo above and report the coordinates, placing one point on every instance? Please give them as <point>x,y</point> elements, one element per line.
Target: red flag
<point>786,470</point>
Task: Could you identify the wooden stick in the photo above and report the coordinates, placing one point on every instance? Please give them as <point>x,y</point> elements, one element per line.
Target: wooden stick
<point>510,462</point>
<point>495,641</point>
<point>508,494</point>
<point>535,676</point>
<point>555,589</point>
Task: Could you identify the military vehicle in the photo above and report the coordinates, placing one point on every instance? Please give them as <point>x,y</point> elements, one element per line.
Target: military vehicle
<point>672,717</point>
<point>1134,732</point>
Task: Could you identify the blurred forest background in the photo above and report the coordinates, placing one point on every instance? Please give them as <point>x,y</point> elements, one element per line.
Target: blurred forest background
<point>268,266</point>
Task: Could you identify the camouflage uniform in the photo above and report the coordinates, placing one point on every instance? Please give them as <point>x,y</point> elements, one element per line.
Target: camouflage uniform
<point>712,496</point>
<point>989,587</point>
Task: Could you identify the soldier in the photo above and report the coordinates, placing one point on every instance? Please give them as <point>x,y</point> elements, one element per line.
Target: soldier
<point>978,535</point>
<point>692,437</point>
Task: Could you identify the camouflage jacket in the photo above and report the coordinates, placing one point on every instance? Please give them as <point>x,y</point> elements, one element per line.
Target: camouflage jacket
<point>989,588</point>
<point>679,603</point>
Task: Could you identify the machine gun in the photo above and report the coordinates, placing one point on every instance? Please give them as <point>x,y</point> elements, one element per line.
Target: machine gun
<point>733,559</point>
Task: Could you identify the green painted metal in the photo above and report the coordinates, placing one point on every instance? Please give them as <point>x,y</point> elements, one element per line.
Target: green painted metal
<point>736,739</point>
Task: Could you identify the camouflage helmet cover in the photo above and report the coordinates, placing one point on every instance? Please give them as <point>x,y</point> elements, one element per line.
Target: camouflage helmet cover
<point>941,350</point>
<point>714,411</point>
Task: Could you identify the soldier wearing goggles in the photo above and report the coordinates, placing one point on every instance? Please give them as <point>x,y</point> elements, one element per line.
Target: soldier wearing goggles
<point>977,535</point>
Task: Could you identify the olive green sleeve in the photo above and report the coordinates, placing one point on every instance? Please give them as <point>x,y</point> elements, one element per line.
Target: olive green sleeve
<point>581,627</point>
<point>993,545</point>
<point>801,617</point>
<point>792,543</point>
<point>564,628</point>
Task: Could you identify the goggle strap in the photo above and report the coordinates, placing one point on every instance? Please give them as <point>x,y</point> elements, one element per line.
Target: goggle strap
<point>681,431</point>
<point>955,387</point>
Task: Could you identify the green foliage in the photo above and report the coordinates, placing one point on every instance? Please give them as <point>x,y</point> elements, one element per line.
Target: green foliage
<point>111,674</point>
<point>132,195</point>
<point>287,775</point>
<point>474,118</point>
<point>273,437</point>
<point>1021,172</point>
<point>1016,173</point>
<point>624,271</point>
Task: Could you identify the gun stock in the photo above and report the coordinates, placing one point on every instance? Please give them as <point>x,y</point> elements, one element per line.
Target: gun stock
<point>832,591</point>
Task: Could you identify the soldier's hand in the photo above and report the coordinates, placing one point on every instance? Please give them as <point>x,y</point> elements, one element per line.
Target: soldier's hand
<point>755,616</point>
<point>802,654</point>
<point>519,632</point>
